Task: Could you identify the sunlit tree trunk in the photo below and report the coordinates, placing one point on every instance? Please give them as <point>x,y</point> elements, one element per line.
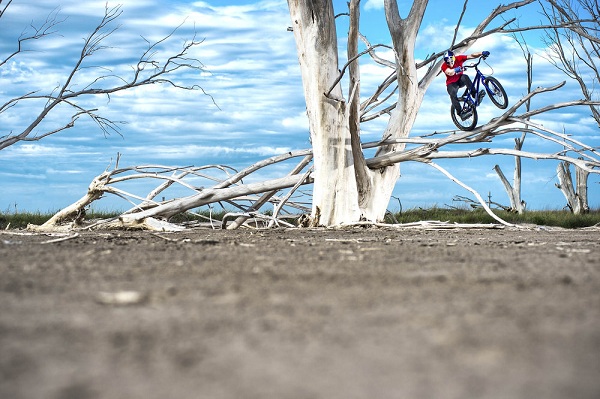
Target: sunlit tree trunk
<point>335,197</point>
<point>345,190</point>
<point>411,92</point>
<point>575,194</point>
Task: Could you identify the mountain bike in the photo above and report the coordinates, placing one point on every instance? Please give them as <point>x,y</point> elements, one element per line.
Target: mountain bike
<point>470,102</point>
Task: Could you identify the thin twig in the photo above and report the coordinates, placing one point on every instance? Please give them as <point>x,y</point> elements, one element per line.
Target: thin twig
<point>60,239</point>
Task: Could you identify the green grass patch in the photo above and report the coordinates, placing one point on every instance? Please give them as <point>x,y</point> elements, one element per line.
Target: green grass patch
<point>545,218</point>
<point>556,218</point>
<point>20,220</point>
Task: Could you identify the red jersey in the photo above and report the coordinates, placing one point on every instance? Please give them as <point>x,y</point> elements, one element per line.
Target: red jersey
<point>458,62</point>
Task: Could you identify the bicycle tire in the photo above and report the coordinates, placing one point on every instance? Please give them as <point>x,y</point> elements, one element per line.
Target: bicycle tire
<point>469,123</point>
<point>496,92</point>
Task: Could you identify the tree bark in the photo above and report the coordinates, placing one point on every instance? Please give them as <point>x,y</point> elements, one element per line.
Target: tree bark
<point>576,203</point>
<point>345,189</point>
<point>208,196</point>
<point>335,193</point>
<point>581,177</point>
<point>514,201</point>
<point>402,118</point>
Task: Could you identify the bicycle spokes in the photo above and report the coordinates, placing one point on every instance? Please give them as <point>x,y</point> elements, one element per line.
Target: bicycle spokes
<point>466,118</point>
<point>497,93</point>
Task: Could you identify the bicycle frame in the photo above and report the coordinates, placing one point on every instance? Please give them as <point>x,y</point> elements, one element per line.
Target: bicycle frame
<point>475,84</point>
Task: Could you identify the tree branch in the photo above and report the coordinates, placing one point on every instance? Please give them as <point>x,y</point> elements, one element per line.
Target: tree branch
<point>158,73</point>
<point>475,193</point>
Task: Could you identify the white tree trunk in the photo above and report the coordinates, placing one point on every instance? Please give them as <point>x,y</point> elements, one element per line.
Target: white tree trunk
<point>518,203</point>
<point>582,177</point>
<point>335,194</point>
<point>404,35</point>
<point>384,179</point>
<point>575,194</point>
<point>514,193</point>
<point>345,190</point>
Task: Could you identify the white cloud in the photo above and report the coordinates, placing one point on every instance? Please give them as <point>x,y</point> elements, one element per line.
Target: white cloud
<point>300,121</point>
<point>374,5</point>
<point>33,151</point>
<point>253,75</point>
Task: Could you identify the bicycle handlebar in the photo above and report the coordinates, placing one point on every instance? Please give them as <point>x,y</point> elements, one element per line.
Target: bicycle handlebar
<point>465,67</point>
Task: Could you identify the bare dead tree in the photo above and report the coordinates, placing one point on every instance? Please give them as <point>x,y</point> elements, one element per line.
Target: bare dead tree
<point>360,190</point>
<point>147,71</point>
<point>517,204</point>
<point>575,50</point>
<point>227,188</point>
<point>348,187</point>
<point>575,44</point>
<point>576,195</point>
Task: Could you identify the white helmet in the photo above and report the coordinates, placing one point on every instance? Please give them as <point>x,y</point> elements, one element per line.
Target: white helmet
<point>449,56</point>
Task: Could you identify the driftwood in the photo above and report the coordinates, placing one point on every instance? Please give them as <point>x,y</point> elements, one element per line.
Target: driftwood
<point>148,212</point>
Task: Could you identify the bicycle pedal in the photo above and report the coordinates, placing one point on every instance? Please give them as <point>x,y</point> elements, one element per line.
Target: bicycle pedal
<point>466,115</point>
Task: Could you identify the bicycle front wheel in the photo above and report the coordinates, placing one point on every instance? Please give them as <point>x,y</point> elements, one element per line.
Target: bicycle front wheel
<point>469,122</point>
<point>496,92</point>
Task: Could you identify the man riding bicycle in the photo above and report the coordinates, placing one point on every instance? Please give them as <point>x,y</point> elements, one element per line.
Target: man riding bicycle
<point>455,79</point>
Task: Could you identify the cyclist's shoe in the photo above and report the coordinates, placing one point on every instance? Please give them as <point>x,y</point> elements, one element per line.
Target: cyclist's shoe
<point>465,115</point>
<point>480,96</point>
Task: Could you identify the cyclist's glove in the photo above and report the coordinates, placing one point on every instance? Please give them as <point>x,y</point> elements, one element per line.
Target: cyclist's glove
<point>458,69</point>
<point>485,54</point>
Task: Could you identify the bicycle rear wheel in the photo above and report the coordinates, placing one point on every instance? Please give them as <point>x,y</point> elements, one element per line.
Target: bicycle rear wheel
<point>468,123</point>
<point>496,92</point>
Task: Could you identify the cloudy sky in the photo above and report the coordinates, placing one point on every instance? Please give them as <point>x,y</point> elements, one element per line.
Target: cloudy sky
<point>256,106</point>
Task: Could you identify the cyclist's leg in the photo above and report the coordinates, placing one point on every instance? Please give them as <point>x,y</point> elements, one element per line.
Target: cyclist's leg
<point>453,93</point>
<point>465,80</point>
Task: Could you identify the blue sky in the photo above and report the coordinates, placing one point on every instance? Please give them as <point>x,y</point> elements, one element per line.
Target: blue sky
<point>252,73</point>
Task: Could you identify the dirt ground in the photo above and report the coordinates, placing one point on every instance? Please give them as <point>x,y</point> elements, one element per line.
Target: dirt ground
<point>301,313</point>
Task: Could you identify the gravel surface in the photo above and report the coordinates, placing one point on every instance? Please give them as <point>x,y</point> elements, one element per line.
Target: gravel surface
<point>301,313</point>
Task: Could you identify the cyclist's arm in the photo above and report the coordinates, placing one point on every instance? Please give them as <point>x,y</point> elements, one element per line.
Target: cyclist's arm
<point>450,71</point>
<point>474,55</point>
